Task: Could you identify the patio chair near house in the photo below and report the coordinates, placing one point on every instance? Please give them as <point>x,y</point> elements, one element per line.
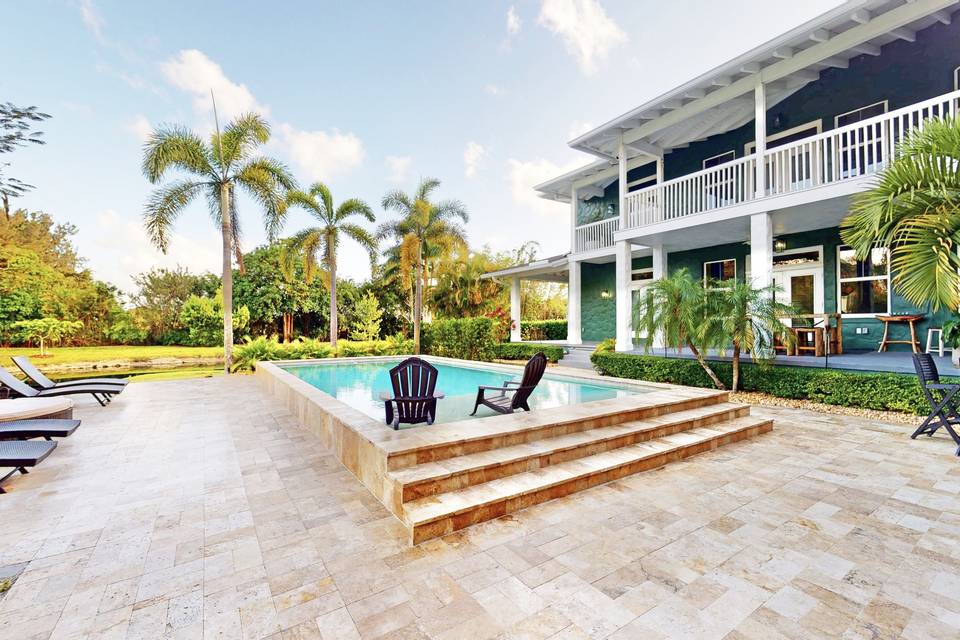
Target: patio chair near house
<point>513,395</point>
<point>42,381</point>
<point>102,393</point>
<point>942,398</point>
<point>46,428</point>
<point>20,454</point>
<point>414,399</point>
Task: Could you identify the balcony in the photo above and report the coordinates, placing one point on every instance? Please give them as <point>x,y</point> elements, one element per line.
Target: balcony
<point>846,153</point>
<point>596,235</point>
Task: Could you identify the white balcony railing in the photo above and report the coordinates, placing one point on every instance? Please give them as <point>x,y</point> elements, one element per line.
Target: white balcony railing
<point>596,235</point>
<point>853,151</point>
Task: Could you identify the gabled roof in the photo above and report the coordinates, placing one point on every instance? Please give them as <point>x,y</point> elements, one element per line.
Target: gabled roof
<point>722,99</point>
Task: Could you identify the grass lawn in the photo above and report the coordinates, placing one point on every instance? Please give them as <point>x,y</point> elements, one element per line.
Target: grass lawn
<point>131,354</point>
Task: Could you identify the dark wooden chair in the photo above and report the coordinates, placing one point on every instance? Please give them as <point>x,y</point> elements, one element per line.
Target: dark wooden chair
<point>513,395</point>
<point>942,399</point>
<point>414,398</point>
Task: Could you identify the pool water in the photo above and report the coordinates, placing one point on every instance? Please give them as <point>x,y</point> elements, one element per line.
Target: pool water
<point>358,384</point>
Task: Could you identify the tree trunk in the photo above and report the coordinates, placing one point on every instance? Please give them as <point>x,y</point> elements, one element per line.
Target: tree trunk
<point>736,366</point>
<point>706,367</point>
<point>333,302</point>
<point>287,327</point>
<point>227,282</point>
<point>418,300</point>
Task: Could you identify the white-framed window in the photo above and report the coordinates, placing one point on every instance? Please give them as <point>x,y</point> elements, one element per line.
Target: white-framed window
<point>639,277</point>
<point>863,286</point>
<point>956,79</point>
<point>720,158</point>
<point>861,113</point>
<point>641,183</point>
<point>719,271</point>
<point>799,132</point>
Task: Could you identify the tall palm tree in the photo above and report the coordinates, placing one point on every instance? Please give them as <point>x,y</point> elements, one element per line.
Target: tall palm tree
<point>323,240</point>
<point>914,211</point>
<point>424,231</point>
<point>215,170</point>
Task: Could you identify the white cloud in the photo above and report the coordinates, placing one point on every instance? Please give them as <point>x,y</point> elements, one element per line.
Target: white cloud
<point>578,128</point>
<point>586,30</point>
<point>513,21</point>
<point>192,71</point>
<point>92,19</point>
<point>525,175</point>
<point>493,89</point>
<point>140,127</point>
<point>125,250</point>
<point>399,168</point>
<point>321,155</point>
<point>472,156</point>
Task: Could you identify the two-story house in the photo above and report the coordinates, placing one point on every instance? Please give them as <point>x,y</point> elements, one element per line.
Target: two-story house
<point>747,171</point>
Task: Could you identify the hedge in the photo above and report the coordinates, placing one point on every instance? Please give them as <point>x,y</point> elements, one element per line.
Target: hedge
<point>878,391</point>
<point>464,338</point>
<point>246,355</point>
<point>543,330</point>
<point>526,350</point>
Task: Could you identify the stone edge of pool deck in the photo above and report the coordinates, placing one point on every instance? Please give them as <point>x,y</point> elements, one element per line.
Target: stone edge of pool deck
<point>371,450</point>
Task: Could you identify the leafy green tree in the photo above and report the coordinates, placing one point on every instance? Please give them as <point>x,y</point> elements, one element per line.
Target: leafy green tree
<point>270,295</point>
<point>366,323</point>
<point>216,169</point>
<point>424,229</point>
<point>460,290</point>
<point>160,295</point>
<point>317,246</point>
<point>201,316</point>
<point>17,130</point>
<point>44,330</point>
<point>914,211</point>
<point>37,232</point>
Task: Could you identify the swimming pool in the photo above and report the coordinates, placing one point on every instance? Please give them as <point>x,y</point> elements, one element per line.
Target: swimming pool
<point>358,384</point>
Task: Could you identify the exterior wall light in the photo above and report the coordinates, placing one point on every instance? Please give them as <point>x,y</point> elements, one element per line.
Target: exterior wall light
<point>605,294</point>
<point>779,245</point>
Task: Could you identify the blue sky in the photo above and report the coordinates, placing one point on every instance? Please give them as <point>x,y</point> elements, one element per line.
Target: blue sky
<point>365,96</point>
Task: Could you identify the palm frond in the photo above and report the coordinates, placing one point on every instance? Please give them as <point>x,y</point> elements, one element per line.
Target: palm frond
<point>362,237</point>
<point>174,148</point>
<point>449,210</point>
<point>238,140</point>
<point>163,207</point>
<point>354,207</point>
<point>267,181</point>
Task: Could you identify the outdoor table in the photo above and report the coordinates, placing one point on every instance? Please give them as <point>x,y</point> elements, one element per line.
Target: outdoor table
<point>911,319</point>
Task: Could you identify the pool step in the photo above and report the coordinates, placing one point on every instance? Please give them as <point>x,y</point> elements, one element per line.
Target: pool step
<point>451,474</point>
<point>437,515</point>
<point>540,425</point>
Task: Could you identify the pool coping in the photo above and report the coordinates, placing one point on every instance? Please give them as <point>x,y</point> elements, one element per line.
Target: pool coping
<point>370,449</point>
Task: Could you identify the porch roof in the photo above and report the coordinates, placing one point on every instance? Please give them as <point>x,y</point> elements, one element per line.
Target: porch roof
<point>552,269</point>
<point>721,99</point>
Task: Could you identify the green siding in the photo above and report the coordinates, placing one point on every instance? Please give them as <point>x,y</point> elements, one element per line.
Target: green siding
<point>598,315</point>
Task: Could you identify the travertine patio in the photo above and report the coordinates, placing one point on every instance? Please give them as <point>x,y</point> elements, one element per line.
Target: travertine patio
<point>199,508</point>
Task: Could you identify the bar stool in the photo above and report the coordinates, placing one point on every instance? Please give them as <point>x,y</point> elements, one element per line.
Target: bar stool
<point>939,334</point>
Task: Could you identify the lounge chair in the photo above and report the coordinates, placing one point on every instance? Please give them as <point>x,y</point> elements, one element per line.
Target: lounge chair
<point>20,454</point>
<point>101,392</point>
<point>945,411</point>
<point>513,395</point>
<point>414,398</point>
<point>29,370</point>
<point>46,428</point>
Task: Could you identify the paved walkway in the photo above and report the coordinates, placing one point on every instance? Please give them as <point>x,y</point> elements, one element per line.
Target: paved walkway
<point>199,509</point>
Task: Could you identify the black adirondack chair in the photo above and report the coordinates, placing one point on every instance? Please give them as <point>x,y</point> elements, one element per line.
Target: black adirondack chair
<point>945,411</point>
<point>513,395</point>
<point>414,398</point>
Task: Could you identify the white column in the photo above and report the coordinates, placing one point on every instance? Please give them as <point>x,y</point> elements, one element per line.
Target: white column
<point>573,219</point>
<point>760,137</point>
<point>659,169</point>
<point>573,304</point>
<point>622,181</point>
<point>659,272</point>
<point>515,309</point>
<point>624,316</point>
<point>761,249</point>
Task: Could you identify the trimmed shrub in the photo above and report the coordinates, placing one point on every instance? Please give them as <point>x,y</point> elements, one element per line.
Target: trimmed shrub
<point>262,348</point>
<point>543,329</point>
<point>526,350</point>
<point>464,338</point>
<point>878,391</point>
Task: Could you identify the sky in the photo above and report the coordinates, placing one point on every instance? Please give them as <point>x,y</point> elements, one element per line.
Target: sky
<point>366,97</point>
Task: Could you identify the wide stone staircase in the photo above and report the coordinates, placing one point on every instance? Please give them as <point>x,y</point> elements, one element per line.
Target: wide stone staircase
<point>449,486</point>
<point>578,356</point>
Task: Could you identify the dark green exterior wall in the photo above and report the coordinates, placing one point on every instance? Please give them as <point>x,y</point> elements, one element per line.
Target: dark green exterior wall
<point>598,315</point>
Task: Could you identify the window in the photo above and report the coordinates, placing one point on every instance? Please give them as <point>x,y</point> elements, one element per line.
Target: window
<point>641,275</point>
<point>864,285</point>
<point>860,150</point>
<point>796,258</point>
<point>641,183</point>
<point>956,79</point>
<point>863,113</point>
<point>719,270</point>
<point>722,158</point>
<point>786,137</point>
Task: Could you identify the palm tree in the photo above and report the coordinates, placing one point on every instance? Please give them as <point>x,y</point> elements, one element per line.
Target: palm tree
<point>914,211</point>
<point>323,240</point>
<point>425,230</point>
<point>216,169</point>
<point>748,318</point>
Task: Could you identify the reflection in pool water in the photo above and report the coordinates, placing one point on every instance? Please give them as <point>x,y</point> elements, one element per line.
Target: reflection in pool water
<point>358,384</point>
